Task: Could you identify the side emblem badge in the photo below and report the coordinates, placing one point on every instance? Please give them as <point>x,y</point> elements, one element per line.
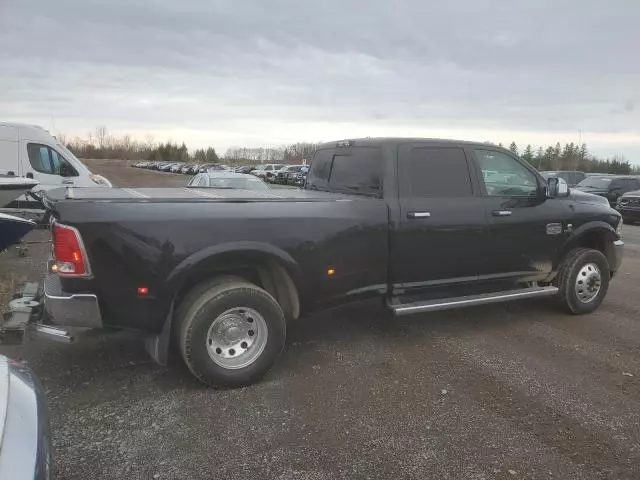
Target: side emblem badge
<point>554,228</point>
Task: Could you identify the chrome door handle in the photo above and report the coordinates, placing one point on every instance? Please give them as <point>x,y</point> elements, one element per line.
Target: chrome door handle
<point>418,214</point>
<point>501,213</point>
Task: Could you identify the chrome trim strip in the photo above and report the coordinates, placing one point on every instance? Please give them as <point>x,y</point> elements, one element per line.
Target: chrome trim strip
<point>53,333</point>
<point>471,300</point>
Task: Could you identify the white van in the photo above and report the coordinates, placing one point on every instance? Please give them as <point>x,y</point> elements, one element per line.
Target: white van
<point>30,151</point>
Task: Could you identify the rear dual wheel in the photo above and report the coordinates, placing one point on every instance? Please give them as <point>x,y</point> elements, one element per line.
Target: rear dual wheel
<point>230,332</point>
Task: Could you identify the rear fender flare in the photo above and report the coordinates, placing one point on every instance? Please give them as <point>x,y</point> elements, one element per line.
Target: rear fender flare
<point>206,258</point>
<point>203,261</point>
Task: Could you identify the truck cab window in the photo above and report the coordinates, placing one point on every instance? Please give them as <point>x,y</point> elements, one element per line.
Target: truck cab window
<point>318,176</point>
<point>353,170</point>
<point>504,175</point>
<point>356,172</point>
<point>436,172</point>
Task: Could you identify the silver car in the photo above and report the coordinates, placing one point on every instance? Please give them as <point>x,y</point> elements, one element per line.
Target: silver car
<point>224,179</point>
<point>25,449</point>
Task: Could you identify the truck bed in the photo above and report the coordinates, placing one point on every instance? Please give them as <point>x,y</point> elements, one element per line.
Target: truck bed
<point>160,237</point>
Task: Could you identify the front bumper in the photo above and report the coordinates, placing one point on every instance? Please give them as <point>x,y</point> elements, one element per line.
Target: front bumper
<point>70,310</point>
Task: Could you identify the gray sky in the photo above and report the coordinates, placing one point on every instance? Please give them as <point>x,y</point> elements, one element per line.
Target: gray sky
<point>264,72</point>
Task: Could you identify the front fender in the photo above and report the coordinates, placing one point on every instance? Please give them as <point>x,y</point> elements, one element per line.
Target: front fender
<point>597,228</point>
<point>589,228</point>
<point>210,257</point>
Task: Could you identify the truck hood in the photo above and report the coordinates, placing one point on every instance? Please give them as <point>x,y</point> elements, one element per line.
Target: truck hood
<point>588,197</point>
<point>595,191</point>
<point>187,194</point>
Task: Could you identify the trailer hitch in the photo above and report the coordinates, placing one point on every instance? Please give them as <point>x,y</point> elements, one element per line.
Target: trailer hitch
<point>26,314</point>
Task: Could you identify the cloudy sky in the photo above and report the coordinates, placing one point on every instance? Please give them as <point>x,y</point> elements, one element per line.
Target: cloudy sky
<point>264,72</point>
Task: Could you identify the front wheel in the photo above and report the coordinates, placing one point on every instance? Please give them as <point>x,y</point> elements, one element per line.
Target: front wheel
<point>230,332</point>
<point>583,280</point>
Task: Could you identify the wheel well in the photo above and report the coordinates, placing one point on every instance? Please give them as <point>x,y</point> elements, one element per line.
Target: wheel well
<point>597,240</point>
<point>266,273</point>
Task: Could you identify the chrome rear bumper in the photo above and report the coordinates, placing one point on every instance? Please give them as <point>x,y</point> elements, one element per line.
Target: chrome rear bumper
<point>70,310</point>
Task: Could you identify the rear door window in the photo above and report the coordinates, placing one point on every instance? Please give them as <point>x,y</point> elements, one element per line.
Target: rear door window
<point>434,172</point>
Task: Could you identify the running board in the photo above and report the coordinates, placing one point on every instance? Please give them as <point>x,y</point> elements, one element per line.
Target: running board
<point>470,300</point>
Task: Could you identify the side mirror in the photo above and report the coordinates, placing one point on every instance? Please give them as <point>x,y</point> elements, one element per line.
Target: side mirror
<point>557,187</point>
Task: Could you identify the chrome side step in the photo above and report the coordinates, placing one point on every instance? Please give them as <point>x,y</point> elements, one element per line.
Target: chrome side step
<point>50,332</point>
<point>470,300</point>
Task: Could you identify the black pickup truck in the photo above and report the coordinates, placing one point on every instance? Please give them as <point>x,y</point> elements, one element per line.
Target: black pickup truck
<point>422,224</point>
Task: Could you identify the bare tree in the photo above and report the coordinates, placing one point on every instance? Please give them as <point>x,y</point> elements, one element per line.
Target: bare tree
<point>101,136</point>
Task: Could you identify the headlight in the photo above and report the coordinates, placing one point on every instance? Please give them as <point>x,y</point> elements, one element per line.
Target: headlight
<point>619,228</point>
<point>100,180</point>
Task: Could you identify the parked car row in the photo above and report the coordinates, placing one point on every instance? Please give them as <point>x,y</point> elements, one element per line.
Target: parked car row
<point>181,167</point>
<point>270,172</point>
<point>282,174</point>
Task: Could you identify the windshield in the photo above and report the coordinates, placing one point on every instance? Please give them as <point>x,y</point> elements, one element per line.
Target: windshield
<point>240,183</point>
<point>595,182</point>
<point>70,156</point>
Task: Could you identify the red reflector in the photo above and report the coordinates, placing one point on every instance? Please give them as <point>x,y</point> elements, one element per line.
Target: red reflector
<point>68,251</point>
<point>143,290</point>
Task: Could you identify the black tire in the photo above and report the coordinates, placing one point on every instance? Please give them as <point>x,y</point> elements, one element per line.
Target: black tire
<point>203,305</point>
<point>567,279</point>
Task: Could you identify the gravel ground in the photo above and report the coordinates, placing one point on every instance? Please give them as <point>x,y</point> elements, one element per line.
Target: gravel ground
<point>503,391</point>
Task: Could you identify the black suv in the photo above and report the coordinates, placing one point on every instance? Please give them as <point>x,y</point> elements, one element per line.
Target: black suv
<point>629,206</point>
<point>611,187</point>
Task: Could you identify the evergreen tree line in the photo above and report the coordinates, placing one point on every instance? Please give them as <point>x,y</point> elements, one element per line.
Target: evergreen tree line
<point>101,144</point>
<point>572,156</point>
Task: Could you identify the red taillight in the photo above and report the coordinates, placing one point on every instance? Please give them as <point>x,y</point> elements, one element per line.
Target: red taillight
<point>68,251</point>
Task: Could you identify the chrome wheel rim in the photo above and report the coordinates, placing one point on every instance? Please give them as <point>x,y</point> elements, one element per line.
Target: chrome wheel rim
<point>237,337</point>
<point>588,282</point>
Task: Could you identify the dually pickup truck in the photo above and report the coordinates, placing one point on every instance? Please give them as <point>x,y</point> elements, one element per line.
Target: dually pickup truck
<point>422,224</point>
